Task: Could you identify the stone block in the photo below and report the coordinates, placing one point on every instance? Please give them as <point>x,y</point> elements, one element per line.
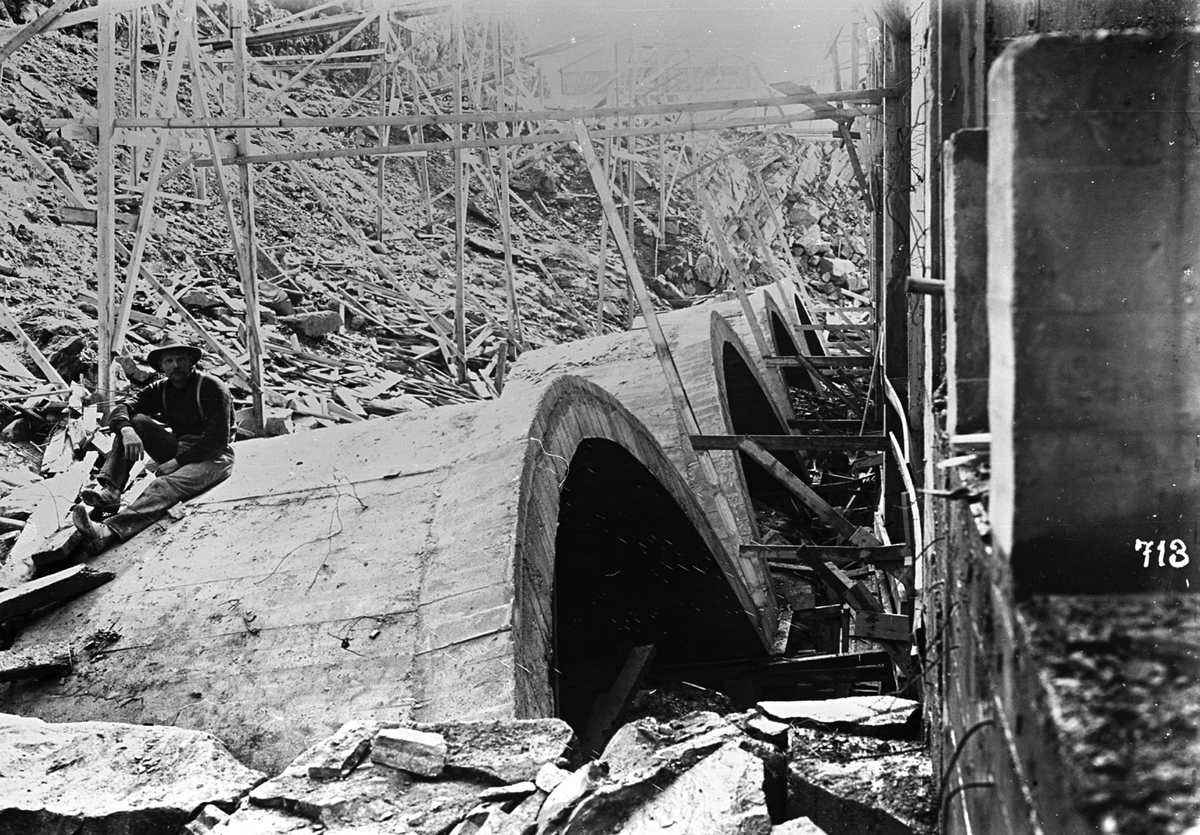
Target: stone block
<point>336,756</point>
<point>313,324</point>
<point>721,793</point>
<point>864,715</point>
<point>419,752</point>
<point>503,751</point>
<point>965,184</point>
<point>849,786</point>
<point>1093,238</point>
<point>107,777</point>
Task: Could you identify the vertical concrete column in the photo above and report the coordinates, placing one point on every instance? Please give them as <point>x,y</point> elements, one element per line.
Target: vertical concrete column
<point>965,179</point>
<point>1094,312</point>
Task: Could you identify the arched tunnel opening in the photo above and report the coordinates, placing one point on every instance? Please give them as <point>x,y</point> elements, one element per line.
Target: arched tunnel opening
<point>631,570</point>
<point>750,413</point>
<point>811,340</point>
<point>785,346</point>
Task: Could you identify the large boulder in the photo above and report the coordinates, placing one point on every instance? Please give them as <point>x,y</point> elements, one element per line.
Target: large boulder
<point>107,778</point>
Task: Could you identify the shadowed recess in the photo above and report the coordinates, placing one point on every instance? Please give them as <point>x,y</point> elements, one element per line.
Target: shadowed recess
<point>630,569</point>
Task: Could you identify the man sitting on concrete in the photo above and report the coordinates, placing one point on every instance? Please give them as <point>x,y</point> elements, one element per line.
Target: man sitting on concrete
<point>184,422</point>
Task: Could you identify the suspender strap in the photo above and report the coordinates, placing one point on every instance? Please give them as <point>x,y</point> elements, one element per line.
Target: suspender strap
<point>199,406</point>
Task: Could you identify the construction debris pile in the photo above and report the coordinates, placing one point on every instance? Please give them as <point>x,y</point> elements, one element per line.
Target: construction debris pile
<point>843,766</point>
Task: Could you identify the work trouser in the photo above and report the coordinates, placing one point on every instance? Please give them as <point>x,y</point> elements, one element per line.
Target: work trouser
<point>164,491</point>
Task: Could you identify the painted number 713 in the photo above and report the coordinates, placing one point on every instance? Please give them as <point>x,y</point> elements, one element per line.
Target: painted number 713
<point>1178,557</point>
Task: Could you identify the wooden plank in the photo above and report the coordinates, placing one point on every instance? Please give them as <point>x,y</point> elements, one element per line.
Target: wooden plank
<point>511,116</point>
<point>10,363</point>
<point>804,423</point>
<point>839,326</point>
<point>610,708</point>
<point>818,362</point>
<point>41,661</point>
<point>881,626</point>
<point>31,348</point>
<point>106,238</point>
<point>839,555</point>
<point>819,613</point>
<point>31,30</point>
<point>823,510</point>
<point>822,443</point>
<point>47,591</point>
<point>740,281</point>
<point>239,16</point>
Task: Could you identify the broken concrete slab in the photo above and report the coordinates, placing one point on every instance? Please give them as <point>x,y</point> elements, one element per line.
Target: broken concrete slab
<point>849,785</point>
<point>681,741</point>
<point>570,791</point>
<point>373,798</point>
<point>516,791</point>
<point>420,752</point>
<point>723,793</point>
<point>503,751</point>
<point>336,756</point>
<point>106,777</point>
<point>865,715</point>
<point>549,776</point>
<point>767,729</point>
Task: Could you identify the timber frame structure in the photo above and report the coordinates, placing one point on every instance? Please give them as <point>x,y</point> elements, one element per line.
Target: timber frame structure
<point>184,92</point>
<point>233,131</point>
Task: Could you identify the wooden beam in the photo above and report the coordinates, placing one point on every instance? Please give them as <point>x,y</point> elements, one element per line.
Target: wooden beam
<point>822,443</point>
<point>755,576</point>
<point>882,626</point>
<point>500,141</point>
<point>32,30</point>
<point>839,555</point>
<point>106,233</point>
<point>853,424</point>
<point>821,508</point>
<point>460,206</point>
<point>38,661</point>
<point>740,282</point>
<point>612,707</point>
<point>47,591</point>
<point>239,15</point>
<point>146,215</point>
<point>483,117</point>
<point>794,361</point>
<point>31,348</point>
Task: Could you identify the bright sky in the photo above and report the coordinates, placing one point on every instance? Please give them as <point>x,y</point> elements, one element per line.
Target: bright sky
<point>788,39</point>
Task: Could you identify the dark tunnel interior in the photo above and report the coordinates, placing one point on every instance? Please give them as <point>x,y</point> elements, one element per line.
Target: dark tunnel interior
<point>750,413</point>
<point>630,569</point>
<point>815,349</point>
<point>785,346</point>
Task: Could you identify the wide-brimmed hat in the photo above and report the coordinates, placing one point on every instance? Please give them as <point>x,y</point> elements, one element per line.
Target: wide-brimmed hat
<point>171,342</point>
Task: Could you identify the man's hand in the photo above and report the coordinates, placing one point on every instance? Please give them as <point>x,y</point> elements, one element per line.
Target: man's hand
<point>132,443</point>
<point>167,467</point>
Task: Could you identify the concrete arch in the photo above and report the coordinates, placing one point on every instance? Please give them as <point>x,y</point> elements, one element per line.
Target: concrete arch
<point>625,364</point>
<point>776,328</point>
<point>405,578</point>
<point>609,525</point>
<point>814,341</point>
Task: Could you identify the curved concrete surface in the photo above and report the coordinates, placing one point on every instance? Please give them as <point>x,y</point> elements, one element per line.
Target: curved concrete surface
<point>403,569</point>
<point>716,367</point>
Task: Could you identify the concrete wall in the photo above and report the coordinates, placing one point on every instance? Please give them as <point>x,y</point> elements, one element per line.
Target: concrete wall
<point>1093,242</point>
<point>965,179</point>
